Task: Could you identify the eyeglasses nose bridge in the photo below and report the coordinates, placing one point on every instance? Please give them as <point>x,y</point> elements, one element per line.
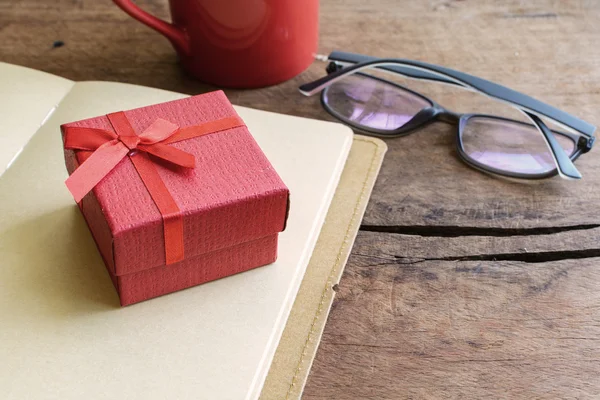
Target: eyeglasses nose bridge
<point>433,113</point>
<point>447,116</point>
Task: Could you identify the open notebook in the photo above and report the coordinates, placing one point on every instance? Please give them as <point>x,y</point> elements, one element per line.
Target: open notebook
<point>62,332</point>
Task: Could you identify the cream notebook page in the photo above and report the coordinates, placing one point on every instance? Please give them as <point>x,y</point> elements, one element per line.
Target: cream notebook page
<point>62,332</point>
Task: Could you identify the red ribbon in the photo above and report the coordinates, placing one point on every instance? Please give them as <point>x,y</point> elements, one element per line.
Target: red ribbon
<point>105,149</point>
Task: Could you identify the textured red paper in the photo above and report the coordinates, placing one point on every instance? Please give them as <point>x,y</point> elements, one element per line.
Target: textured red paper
<point>231,203</point>
<point>218,264</point>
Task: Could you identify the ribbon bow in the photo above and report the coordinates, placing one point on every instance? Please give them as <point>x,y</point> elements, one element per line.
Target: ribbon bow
<point>105,149</point>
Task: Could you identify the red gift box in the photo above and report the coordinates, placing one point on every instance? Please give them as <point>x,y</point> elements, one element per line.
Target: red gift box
<point>175,194</point>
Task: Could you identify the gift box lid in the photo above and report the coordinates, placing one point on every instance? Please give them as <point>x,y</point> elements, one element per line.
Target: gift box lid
<point>232,196</point>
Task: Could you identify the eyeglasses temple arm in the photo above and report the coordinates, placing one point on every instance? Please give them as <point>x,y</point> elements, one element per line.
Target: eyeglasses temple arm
<point>352,58</point>
<point>564,164</point>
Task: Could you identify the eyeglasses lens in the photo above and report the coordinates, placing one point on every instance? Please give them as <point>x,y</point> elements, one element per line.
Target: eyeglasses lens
<point>510,146</point>
<point>372,103</point>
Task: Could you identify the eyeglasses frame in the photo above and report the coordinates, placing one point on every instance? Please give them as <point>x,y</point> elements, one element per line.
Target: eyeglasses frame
<point>343,64</point>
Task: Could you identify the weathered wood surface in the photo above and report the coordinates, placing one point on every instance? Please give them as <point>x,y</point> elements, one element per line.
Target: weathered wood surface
<point>460,285</point>
<point>460,329</point>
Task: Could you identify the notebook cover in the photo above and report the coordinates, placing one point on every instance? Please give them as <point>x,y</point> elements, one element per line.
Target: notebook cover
<point>302,334</point>
<point>348,206</point>
<point>61,326</point>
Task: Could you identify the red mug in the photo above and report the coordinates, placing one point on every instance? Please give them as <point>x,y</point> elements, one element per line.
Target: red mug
<point>239,43</point>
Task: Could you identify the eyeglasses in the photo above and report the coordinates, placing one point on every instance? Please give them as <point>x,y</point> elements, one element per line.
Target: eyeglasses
<point>501,146</point>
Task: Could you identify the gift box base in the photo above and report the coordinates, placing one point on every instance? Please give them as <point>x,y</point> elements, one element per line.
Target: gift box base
<point>147,284</point>
<point>144,285</point>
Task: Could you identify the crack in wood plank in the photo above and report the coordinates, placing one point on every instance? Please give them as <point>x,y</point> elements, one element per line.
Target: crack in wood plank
<point>456,231</point>
<point>534,257</point>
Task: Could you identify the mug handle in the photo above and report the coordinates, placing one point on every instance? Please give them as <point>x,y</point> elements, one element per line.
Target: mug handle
<point>178,38</point>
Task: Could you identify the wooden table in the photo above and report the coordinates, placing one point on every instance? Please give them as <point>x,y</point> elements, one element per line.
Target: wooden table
<point>459,285</point>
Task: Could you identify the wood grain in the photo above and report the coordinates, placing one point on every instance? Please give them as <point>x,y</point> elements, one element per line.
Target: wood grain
<point>461,330</point>
<point>460,285</point>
